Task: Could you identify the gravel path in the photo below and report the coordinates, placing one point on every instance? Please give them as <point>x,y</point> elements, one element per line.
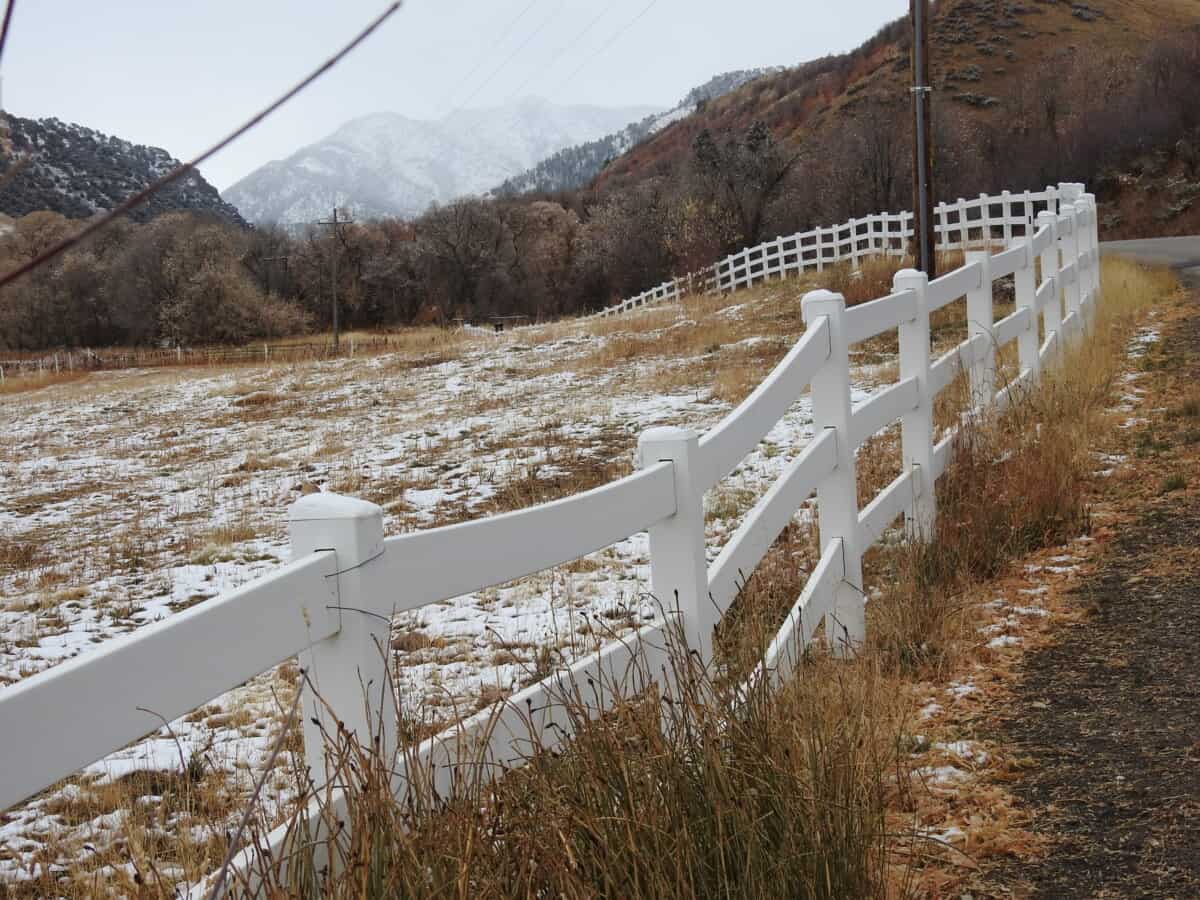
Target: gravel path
<point>1110,716</point>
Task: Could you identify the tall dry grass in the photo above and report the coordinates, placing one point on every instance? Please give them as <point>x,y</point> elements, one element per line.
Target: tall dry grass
<point>1017,482</point>
<point>802,792</point>
<point>715,793</point>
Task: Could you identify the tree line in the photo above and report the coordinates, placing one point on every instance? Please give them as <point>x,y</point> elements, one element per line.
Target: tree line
<point>183,279</point>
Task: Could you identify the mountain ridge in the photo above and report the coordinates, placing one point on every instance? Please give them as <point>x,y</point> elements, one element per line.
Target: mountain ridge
<point>573,167</point>
<point>78,171</point>
<point>388,164</point>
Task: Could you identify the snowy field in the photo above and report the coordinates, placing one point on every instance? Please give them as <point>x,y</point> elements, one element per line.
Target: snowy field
<point>131,495</point>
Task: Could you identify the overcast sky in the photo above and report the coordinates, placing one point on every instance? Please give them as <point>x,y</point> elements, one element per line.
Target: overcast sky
<point>178,74</point>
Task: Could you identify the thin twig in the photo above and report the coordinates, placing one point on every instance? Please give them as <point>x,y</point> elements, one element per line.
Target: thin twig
<point>183,763</point>
<point>8,11</point>
<point>232,851</point>
<point>183,169</point>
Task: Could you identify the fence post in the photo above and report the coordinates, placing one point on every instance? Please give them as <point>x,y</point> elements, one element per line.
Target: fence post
<point>837,494</point>
<point>1025,289</point>
<point>1006,212</point>
<point>916,425</point>
<point>678,568</point>
<point>1091,241</point>
<point>1052,312</point>
<point>985,221</point>
<point>980,319</point>
<point>350,670</point>
<point>1070,254</point>
<point>964,233</point>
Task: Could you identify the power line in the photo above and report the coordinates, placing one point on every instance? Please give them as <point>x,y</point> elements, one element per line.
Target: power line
<point>559,55</point>
<point>483,57</point>
<point>496,71</point>
<point>610,42</point>
<point>8,11</point>
<point>179,171</point>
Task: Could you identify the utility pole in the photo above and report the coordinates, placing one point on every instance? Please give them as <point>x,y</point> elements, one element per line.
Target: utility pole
<point>333,224</point>
<point>923,145</point>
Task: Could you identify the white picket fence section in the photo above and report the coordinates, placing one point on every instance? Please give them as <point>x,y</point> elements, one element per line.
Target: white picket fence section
<point>333,603</point>
<point>958,226</point>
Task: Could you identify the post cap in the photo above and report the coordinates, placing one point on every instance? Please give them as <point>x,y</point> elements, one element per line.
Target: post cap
<point>351,527</point>
<point>908,276</point>
<point>657,443</point>
<point>821,303</point>
<point>324,505</point>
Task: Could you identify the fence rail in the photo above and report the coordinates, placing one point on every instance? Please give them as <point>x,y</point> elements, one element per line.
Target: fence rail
<point>333,603</point>
<point>957,226</point>
<point>84,360</point>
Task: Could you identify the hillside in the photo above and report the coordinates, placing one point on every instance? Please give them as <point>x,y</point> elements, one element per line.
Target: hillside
<point>387,164</point>
<point>575,166</point>
<point>990,59</point>
<point>76,171</point>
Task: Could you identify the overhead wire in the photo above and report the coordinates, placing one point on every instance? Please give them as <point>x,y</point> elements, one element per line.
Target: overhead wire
<point>559,55</point>
<point>8,13</point>
<point>179,171</point>
<point>620,33</point>
<point>483,57</point>
<point>487,81</point>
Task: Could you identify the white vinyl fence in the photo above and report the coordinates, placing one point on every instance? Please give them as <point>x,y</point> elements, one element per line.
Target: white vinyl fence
<point>332,604</point>
<point>958,226</point>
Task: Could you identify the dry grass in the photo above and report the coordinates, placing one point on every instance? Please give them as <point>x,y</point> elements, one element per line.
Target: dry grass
<point>36,381</point>
<point>1017,483</point>
<point>768,795</point>
<point>804,793</point>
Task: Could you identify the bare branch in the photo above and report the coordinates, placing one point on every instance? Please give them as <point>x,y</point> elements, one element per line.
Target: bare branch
<point>8,11</point>
<point>175,174</point>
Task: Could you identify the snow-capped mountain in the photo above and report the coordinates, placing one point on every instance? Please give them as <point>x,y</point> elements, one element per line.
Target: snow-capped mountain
<point>387,164</point>
<point>573,167</point>
<point>76,171</point>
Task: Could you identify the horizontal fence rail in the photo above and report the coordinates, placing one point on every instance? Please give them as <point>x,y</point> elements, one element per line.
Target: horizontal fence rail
<point>84,360</point>
<point>332,605</point>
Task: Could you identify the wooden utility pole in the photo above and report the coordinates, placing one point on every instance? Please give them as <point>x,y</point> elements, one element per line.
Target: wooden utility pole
<point>333,223</point>
<point>923,144</point>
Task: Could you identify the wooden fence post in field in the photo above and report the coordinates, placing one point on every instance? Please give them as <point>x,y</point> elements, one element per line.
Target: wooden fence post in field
<point>980,321</point>
<point>1025,289</point>
<point>916,425</point>
<point>837,494</point>
<point>678,568</point>
<point>1052,312</point>
<point>350,669</point>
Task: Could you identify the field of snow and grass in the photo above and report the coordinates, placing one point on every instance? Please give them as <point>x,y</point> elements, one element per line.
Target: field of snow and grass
<point>131,495</point>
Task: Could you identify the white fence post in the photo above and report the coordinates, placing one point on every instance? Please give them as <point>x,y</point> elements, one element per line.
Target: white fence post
<point>980,321</point>
<point>837,494</point>
<point>1052,311</point>
<point>1025,290</point>
<point>1070,254</point>
<point>1091,239</point>
<point>678,568</point>
<point>349,670</point>
<point>916,425</point>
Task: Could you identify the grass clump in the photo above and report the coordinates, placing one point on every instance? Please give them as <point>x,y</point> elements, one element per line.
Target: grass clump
<point>715,793</point>
<point>1017,482</point>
